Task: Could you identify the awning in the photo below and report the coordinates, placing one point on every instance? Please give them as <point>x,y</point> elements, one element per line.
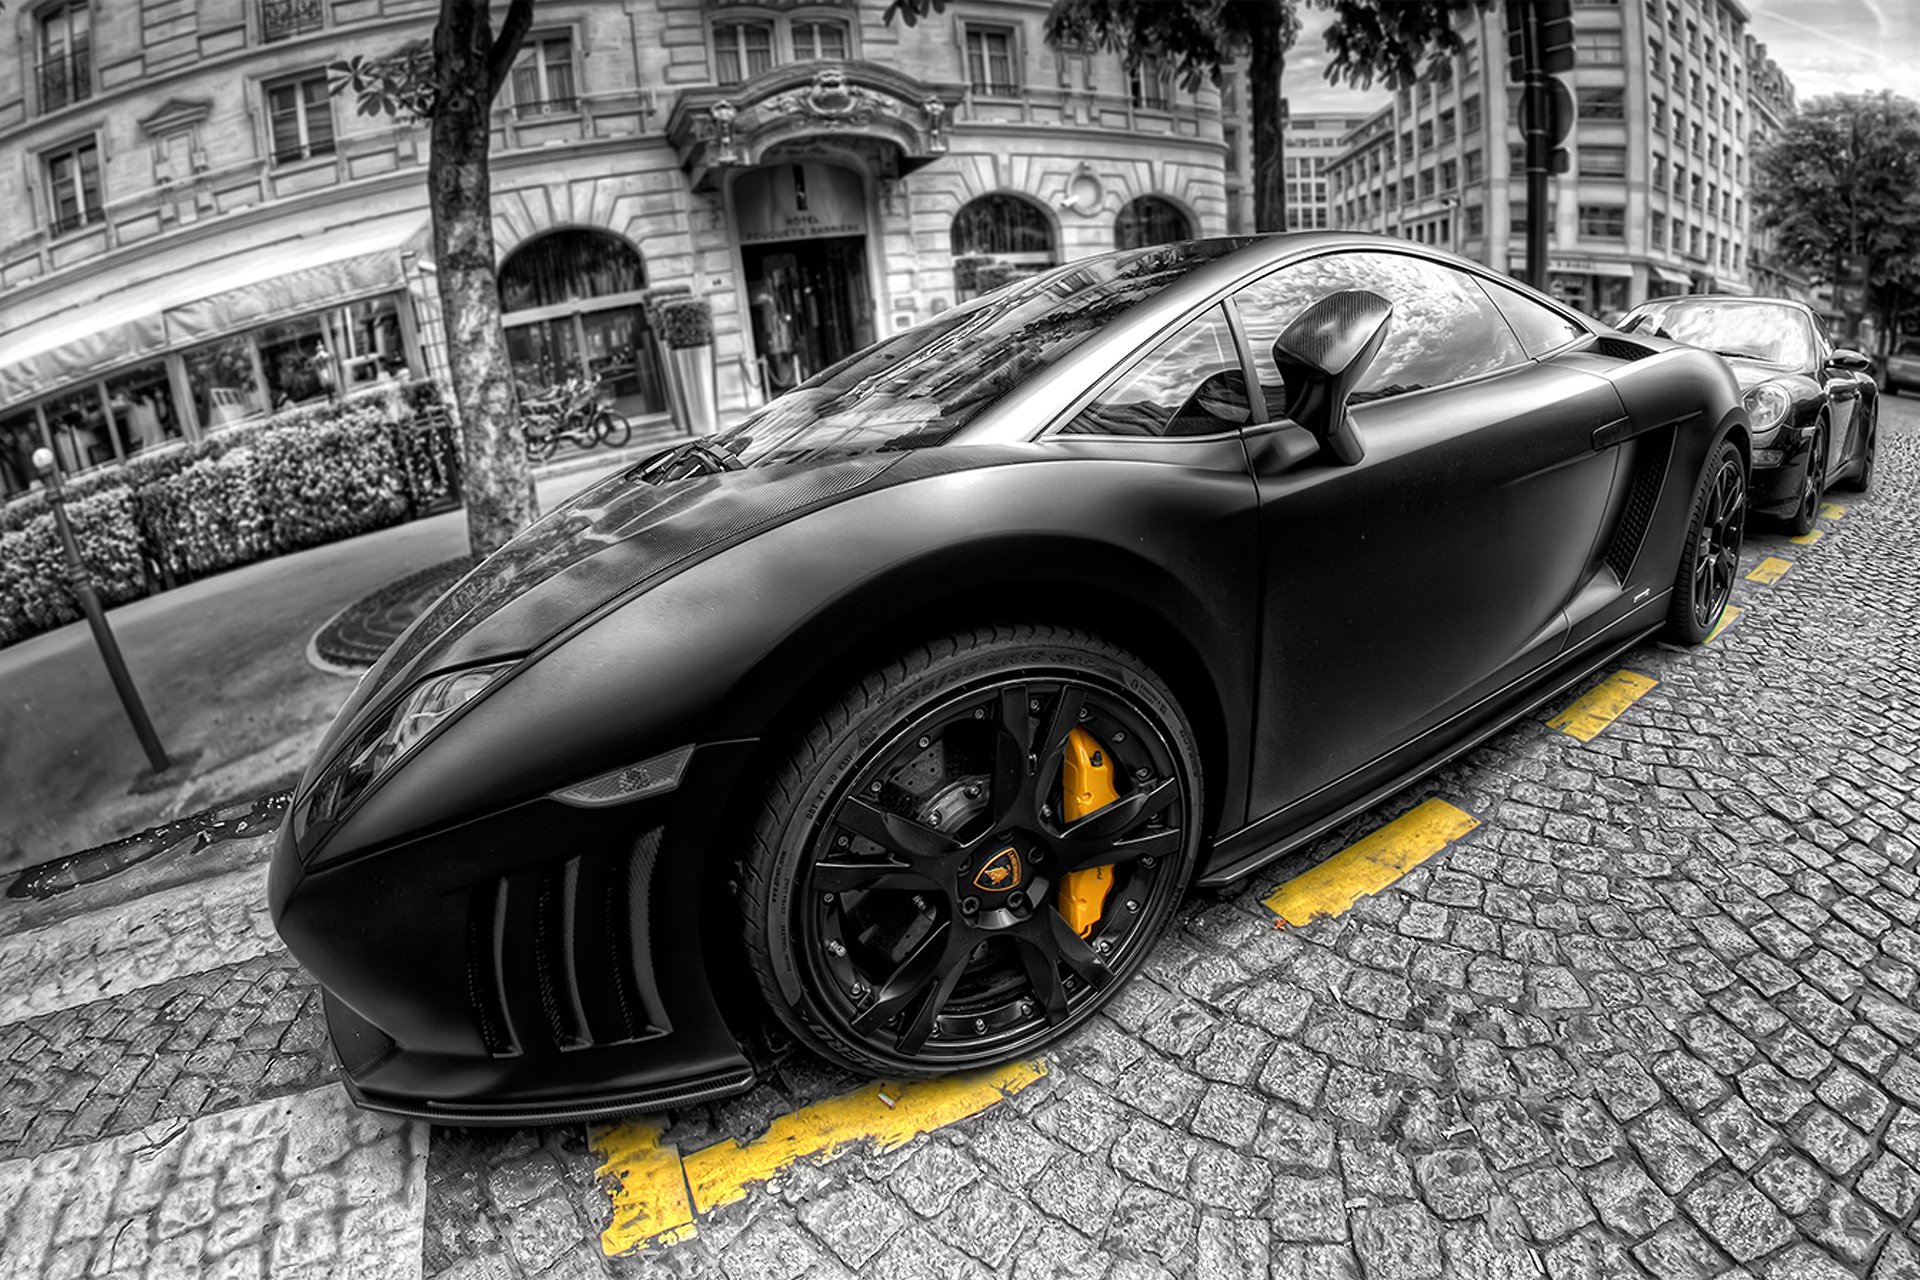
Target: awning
<point>1575,266</point>
<point>213,297</point>
<point>1668,276</point>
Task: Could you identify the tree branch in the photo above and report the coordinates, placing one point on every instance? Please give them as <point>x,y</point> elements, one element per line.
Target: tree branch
<point>506,45</point>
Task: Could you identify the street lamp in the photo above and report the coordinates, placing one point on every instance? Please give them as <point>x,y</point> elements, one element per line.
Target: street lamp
<point>82,584</point>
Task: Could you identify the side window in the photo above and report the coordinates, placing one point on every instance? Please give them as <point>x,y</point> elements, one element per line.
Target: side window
<point>1443,329</point>
<point>1190,384</point>
<point>1541,329</point>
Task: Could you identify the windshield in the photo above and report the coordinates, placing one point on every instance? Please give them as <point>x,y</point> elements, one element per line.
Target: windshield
<point>922,386</point>
<point>1755,330</point>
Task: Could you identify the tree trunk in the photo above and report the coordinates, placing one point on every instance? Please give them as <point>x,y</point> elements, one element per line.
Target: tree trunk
<point>1266,25</point>
<point>467,69</point>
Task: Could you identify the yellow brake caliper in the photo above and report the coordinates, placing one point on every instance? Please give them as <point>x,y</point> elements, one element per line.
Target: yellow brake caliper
<point>1086,785</point>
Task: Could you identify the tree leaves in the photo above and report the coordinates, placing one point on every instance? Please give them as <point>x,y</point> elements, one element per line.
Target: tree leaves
<point>400,84</point>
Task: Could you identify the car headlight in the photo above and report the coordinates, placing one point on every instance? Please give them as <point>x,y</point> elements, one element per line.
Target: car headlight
<point>1767,406</point>
<point>390,738</point>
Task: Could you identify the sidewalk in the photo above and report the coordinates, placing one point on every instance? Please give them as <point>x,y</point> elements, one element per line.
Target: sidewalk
<point>222,667</point>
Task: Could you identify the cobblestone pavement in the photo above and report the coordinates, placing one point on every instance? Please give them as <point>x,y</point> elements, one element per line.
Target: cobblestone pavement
<point>1654,1016</point>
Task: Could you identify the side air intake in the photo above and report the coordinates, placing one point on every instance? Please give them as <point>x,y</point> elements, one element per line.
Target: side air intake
<point>1652,455</point>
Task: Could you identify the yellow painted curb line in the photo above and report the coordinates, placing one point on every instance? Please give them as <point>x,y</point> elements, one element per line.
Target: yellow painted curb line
<point>1728,616</point>
<point>1807,539</point>
<point>658,1194</point>
<point>1600,706</point>
<point>1832,510</point>
<point>1770,570</point>
<point>1370,864</point>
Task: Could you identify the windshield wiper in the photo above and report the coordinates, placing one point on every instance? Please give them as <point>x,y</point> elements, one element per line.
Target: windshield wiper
<point>1740,355</point>
<point>700,456</point>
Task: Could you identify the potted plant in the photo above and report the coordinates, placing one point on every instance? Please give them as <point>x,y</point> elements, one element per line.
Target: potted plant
<point>686,331</point>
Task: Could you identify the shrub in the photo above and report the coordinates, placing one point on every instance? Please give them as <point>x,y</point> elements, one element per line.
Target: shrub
<point>34,592</point>
<point>686,322</point>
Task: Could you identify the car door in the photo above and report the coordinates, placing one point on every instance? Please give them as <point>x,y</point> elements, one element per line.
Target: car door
<point>1402,590</point>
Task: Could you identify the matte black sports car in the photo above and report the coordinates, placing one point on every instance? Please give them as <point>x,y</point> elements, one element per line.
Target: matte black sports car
<point>905,710</point>
<point>1813,407</point>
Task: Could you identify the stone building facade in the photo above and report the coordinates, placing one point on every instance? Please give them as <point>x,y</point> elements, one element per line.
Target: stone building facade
<point>1655,197</point>
<point>193,231</point>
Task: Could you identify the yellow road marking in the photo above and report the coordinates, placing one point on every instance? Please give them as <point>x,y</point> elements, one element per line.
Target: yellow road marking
<point>642,1177</point>
<point>1370,864</point>
<point>1832,511</point>
<point>1602,705</point>
<point>658,1194</point>
<point>1807,539</point>
<point>1728,616</point>
<point>1770,570</point>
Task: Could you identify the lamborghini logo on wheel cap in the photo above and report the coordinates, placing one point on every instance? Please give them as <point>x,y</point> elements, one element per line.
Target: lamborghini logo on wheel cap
<point>1000,872</point>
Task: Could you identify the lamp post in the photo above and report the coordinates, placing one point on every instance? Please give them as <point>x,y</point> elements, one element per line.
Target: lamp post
<point>82,584</point>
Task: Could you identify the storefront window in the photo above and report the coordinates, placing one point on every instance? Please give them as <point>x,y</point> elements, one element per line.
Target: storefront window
<point>996,239</point>
<point>371,344</point>
<point>600,332</point>
<point>1151,220</point>
<point>143,411</point>
<point>78,423</point>
<point>19,437</point>
<point>223,382</point>
<point>296,361</point>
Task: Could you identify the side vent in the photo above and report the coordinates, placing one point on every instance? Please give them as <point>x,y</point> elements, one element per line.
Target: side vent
<point>1617,348</point>
<point>561,957</point>
<point>1650,464</point>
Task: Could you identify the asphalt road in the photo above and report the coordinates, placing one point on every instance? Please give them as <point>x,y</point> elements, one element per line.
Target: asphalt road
<point>1646,1009</point>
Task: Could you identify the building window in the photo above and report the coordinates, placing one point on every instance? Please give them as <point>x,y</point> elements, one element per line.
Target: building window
<point>1694,186</point>
<point>1603,104</point>
<point>819,41</point>
<point>66,56</point>
<point>1476,220</point>
<point>19,437</point>
<point>1147,84</point>
<point>1656,58</point>
<point>1426,182</point>
<point>996,239</point>
<point>1470,115</point>
<point>1657,230</point>
<point>1603,162</point>
<point>990,61</point>
<point>543,81</point>
<point>1603,221</point>
<point>1597,47</point>
<point>300,119</point>
<point>1447,133</point>
<point>1449,176</point>
<point>73,186</point>
<point>1659,114</point>
<point>1658,177</point>
<point>284,19</point>
<point>1476,167</point>
<point>741,50</point>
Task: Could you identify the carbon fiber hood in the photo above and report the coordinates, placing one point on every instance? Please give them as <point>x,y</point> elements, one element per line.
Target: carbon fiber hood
<point>602,544</point>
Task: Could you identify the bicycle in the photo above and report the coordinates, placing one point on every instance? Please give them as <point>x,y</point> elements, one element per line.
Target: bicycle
<point>571,412</point>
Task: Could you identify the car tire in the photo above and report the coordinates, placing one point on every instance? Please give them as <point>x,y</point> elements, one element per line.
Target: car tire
<point>1710,557</point>
<point>1814,490</point>
<point>885,890</point>
<point>1862,480</point>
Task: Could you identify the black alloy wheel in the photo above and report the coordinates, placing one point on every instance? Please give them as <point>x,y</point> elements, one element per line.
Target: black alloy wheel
<point>905,887</point>
<point>1711,559</point>
<point>1814,489</point>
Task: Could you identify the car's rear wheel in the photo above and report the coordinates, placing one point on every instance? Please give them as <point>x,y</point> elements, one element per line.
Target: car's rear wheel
<point>1813,489</point>
<point>972,850</point>
<point>1711,557</point>
<point>1862,480</point>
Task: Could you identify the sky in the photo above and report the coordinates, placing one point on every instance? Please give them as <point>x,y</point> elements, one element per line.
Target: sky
<point>1824,46</point>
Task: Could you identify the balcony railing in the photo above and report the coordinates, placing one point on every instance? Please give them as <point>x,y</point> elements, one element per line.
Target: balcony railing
<point>284,19</point>
<point>66,78</point>
<point>75,219</point>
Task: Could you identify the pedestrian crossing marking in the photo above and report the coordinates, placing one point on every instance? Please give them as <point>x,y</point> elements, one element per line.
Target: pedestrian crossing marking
<point>1807,539</point>
<point>1370,864</point>
<point>1601,705</point>
<point>659,1195</point>
<point>1832,511</point>
<point>1728,616</point>
<point>1770,570</point>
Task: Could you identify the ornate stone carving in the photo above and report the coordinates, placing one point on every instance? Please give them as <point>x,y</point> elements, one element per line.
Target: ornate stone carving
<point>829,101</point>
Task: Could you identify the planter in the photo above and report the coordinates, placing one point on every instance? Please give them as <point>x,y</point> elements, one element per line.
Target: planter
<point>690,383</point>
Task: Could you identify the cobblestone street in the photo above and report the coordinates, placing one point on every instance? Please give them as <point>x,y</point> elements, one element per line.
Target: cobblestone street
<point>1654,1015</point>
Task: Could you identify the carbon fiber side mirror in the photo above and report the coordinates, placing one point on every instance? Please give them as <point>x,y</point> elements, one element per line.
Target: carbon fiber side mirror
<point>1322,356</point>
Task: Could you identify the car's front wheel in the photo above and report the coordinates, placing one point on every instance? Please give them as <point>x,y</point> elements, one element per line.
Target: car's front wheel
<point>1711,557</point>
<point>972,850</point>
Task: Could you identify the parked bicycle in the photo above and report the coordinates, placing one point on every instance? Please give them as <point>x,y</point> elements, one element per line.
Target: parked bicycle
<point>572,412</point>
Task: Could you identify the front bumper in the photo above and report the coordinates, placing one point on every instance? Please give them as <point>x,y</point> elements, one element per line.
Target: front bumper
<point>538,964</point>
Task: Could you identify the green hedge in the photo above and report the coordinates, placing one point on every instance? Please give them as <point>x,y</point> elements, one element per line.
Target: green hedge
<point>295,480</point>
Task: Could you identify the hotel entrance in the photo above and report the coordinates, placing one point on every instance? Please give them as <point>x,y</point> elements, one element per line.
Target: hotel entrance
<point>803,256</point>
